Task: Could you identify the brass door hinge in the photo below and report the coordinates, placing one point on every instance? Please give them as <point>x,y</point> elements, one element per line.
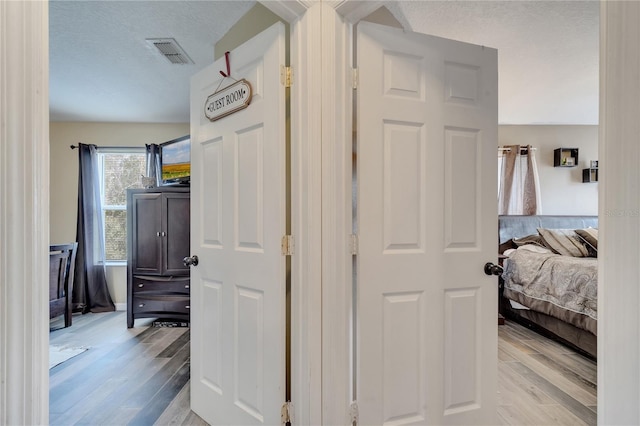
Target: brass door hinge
<point>287,245</point>
<point>286,76</point>
<point>354,413</point>
<point>286,413</point>
<point>353,244</point>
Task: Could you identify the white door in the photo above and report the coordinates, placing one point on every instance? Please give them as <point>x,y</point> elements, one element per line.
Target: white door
<point>427,223</point>
<point>238,220</point>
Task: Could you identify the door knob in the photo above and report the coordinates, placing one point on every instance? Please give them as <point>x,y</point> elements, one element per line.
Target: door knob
<point>492,269</point>
<point>190,261</point>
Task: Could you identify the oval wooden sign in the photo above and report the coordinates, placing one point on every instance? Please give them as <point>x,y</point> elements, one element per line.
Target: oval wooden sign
<point>226,101</point>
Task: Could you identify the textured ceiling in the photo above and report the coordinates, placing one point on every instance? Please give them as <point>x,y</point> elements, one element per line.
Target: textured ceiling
<point>102,69</point>
<point>548,52</point>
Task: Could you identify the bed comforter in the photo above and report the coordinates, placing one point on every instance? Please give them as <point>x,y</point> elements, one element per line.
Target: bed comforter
<point>560,286</point>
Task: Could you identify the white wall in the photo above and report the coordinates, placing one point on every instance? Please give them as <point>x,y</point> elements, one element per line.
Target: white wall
<point>252,23</point>
<point>562,189</point>
<point>64,176</point>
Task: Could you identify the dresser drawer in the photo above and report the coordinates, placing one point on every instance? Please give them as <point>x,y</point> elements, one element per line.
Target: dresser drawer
<point>160,285</point>
<point>160,304</point>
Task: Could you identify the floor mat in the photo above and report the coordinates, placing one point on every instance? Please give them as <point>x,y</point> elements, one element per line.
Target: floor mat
<point>60,354</point>
<point>170,323</point>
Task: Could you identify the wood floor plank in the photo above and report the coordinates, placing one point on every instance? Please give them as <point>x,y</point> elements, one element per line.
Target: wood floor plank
<point>587,367</point>
<point>573,405</point>
<point>146,366</point>
<point>178,410</point>
<point>529,335</point>
<point>556,377</point>
<point>518,407</point>
<point>129,383</point>
<point>524,415</point>
<point>151,387</point>
<point>515,388</point>
<point>504,356</point>
<point>177,344</point>
<point>161,400</point>
<point>587,397</point>
<point>520,333</point>
<point>560,415</point>
<point>85,360</point>
<point>570,359</point>
<point>567,372</point>
<point>63,396</point>
<point>548,346</point>
<point>505,335</point>
<point>139,364</point>
<point>193,419</point>
<point>93,403</point>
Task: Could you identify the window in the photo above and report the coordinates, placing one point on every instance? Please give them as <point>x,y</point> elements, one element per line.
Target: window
<point>119,169</point>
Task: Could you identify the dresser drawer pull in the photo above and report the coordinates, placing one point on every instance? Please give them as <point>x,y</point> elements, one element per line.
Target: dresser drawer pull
<point>141,305</point>
<point>187,307</point>
<point>140,285</point>
<point>186,286</point>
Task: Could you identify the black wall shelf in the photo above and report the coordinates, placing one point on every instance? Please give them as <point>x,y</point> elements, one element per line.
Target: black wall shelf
<point>590,175</point>
<point>565,157</point>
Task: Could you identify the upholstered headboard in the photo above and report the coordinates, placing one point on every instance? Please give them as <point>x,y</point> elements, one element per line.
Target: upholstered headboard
<point>521,226</point>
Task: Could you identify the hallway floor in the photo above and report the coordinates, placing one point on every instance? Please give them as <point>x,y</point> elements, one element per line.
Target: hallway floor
<point>140,376</point>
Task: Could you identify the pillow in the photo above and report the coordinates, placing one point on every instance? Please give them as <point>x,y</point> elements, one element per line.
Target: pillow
<point>590,235</point>
<point>530,239</point>
<point>563,241</point>
<point>589,238</point>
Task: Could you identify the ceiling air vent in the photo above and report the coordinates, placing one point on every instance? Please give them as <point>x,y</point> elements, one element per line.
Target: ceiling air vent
<point>171,50</point>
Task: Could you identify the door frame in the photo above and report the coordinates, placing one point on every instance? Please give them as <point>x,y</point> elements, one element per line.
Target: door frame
<point>321,179</point>
<point>24,213</point>
<point>321,205</point>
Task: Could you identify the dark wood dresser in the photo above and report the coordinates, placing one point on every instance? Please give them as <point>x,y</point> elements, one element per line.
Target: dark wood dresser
<point>157,242</point>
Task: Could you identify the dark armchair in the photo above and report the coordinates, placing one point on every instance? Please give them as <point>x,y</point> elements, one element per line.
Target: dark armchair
<point>62,261</point>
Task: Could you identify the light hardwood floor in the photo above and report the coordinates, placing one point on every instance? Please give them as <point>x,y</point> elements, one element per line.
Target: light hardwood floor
<point>137,376</point>
<point>541,382</point>
<point>140,376</point>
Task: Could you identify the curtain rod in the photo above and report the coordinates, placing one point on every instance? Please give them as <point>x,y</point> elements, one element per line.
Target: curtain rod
<point>111,147</point>
<point>522,148</point>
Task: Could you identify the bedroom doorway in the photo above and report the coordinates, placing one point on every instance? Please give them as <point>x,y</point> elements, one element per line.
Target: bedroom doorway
<point>562,379</point>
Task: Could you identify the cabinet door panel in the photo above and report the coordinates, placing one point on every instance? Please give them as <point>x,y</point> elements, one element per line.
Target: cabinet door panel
<point>177,225</point>
<point>147,243</point>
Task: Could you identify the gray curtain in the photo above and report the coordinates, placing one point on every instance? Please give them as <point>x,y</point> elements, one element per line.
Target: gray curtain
<point>529,200</point>
<point>153,163</point>
<point>508,172</point>
<point>90,291</point>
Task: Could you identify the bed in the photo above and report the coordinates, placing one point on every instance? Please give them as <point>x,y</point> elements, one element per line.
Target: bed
<point>549,281</point>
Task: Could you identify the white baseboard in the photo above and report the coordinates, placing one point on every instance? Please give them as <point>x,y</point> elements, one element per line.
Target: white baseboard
<point>121,306</point>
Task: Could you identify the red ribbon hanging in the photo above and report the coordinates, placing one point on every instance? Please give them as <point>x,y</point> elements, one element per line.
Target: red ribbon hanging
<point>228,73</point>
